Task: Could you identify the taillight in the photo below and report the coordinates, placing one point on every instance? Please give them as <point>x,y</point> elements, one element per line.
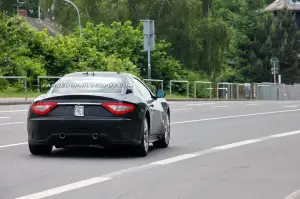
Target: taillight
<point>118,108</point>
<point>42,108</point>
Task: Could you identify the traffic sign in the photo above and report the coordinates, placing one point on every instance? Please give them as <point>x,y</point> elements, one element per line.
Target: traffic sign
<point>149,35</point>
<point>274,61</point>
<point>149,41</point>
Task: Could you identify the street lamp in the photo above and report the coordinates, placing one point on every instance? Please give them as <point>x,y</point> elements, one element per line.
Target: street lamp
<point>78,13</point>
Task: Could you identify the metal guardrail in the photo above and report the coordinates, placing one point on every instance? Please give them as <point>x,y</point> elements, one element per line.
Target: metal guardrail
<point>180,81</point>
<point>201,82</point>
<point>155,80</point>
<point>258,91</point>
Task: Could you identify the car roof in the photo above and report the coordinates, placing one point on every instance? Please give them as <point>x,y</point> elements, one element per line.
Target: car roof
<point>99,74</point>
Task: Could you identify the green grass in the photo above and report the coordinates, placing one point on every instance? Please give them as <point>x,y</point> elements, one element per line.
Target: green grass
<point>174,96</point>
<point>14,93</point>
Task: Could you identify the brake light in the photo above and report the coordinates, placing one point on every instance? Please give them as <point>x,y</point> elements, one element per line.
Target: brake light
<point>42,108</point>
<point>118,108</point>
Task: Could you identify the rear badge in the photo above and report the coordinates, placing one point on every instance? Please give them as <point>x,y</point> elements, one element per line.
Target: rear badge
<point>79,111</point>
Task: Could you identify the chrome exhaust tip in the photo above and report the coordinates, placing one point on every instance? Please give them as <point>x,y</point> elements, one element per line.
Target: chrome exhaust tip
<point>95,136</point>
<point>62,136</point>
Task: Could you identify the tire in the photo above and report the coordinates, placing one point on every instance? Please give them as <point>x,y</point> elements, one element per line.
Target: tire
<point>143,148</point>
<point>40,149</point>
<point>165,140</point>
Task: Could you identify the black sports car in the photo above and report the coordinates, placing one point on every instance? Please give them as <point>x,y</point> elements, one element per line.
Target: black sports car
<point>98,108</point>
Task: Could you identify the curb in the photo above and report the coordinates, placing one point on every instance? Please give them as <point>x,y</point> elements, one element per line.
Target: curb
<point>168,99</point>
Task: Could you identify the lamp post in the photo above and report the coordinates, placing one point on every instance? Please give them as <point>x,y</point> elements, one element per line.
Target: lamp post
<point>78,13</point>
<point>77,10</point>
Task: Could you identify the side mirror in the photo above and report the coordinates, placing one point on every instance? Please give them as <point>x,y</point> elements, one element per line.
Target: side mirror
<point>160,94</point>
<point>128,91</point>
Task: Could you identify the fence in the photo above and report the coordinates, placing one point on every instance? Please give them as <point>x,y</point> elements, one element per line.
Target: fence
<point>273,91</point>
<point>225,90</point>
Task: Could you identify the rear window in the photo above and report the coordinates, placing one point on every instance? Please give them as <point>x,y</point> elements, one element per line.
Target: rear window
<point>90,85</point>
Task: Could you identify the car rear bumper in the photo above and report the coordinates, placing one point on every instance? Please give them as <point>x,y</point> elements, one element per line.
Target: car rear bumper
<point>80,131</point>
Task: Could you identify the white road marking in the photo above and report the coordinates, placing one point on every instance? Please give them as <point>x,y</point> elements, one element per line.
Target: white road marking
<point>294,195</point>
<point>237,144</point>
<point>202,104</point>
<point>220,106</point>
<point>2,124</point>
<point>285,102</point>
<point>251,104</point>
<point>4,117</point>
<point>284,134</point>
<point>174,159</point>
<point>111,176</point>
<point>182,109</point>
<point>290,106</point>
<point>183,122</point>
<point>12,111</point>
<point>10,145</point>
<point>65,188</point>
<point>235,116</point>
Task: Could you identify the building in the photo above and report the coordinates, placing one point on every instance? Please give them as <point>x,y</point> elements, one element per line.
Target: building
<point>292,5</point>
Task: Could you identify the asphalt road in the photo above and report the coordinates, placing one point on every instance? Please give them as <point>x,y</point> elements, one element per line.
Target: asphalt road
<point>228,150</point>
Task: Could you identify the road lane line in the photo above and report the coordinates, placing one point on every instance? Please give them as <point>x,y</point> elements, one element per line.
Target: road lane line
<point>205,119</point>
<point>2,124</point>
<point>10,145</point>
<point>252,104</point>
<point>237,144</point>
<point>12,111</point>
<point>234,116</point>
<point>290,106</point>
<point>113,175</point>
<point>220,106</point>
<point>182,109</point>
<point>65,188</point>
<point>284,134</point>
<point>174,159</point>
<point>4,117</point>
<point>294,195</point>
<point>183,122</point>
<point>203,104</point>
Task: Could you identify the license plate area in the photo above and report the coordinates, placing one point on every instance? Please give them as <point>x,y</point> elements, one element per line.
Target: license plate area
<point>78,111</point>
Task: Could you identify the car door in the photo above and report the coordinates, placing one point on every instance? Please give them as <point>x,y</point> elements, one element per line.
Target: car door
<point>154,106</point>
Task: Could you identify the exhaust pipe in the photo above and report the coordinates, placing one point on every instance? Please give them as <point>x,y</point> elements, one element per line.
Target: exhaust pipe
<point>62,136</point>
<point>95,136</point>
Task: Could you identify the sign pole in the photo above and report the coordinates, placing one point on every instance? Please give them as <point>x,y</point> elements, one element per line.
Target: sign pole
<point>149,41</point>
<point>274,72</point>
<point>149,53</point>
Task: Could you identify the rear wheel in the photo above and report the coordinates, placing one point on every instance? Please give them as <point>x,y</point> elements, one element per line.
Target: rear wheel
<point>40,149</point>
<point>143,148</point>
<point>165,140</point>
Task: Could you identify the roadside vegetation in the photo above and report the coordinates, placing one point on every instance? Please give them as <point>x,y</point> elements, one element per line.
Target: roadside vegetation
<point>221,40</point>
